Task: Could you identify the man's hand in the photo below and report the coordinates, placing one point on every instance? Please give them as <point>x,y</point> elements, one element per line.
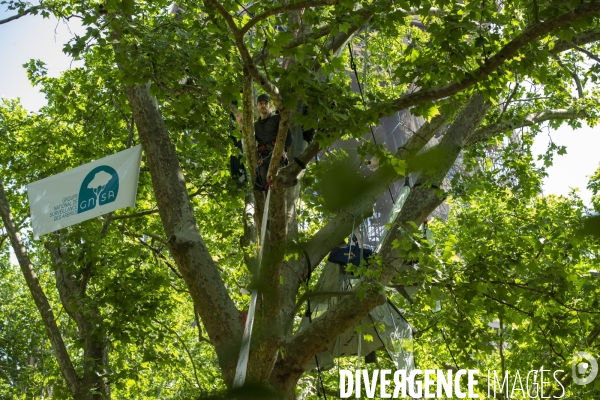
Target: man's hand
<point>239,118</point>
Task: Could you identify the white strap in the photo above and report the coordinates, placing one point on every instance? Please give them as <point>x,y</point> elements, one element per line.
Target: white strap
<point>242,365</point>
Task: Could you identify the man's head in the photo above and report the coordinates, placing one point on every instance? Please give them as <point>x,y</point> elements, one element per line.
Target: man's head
<point>263,105</point>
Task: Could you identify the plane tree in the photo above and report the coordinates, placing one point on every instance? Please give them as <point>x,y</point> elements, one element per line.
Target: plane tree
<point>475,71</point>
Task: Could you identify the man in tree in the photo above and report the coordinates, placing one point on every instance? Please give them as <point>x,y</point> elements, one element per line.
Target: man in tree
<point>265,132</point>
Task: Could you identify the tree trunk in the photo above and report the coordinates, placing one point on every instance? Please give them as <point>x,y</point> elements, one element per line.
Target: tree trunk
<point>218,312</point>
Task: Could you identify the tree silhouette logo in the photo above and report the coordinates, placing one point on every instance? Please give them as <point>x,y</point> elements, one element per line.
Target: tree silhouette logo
<point>99,187</point>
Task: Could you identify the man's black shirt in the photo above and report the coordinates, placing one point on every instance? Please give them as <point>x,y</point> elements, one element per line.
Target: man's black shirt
<point>265,131</point>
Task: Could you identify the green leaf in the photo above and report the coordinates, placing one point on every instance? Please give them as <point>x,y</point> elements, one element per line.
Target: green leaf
<point>128,6</point>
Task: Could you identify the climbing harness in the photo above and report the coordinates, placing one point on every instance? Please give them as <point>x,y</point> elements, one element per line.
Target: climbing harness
<point>264,153</point>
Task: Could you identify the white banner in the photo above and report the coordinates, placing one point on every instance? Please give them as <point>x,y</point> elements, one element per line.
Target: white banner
<point>84,192</point>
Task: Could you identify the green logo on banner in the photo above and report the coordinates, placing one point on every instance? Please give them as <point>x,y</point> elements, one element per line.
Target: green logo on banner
<point>99,187</point>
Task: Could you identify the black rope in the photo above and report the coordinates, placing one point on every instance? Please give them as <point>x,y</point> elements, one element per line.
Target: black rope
<point>362,95</point>
<point>421,184</point>
<point>309,315</point>
<point>300,163</point>
<point>448,347</point>
<point>353,66</point>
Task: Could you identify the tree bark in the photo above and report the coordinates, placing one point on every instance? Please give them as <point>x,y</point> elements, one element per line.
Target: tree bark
<point>218,312</point>
<point>71,288</point>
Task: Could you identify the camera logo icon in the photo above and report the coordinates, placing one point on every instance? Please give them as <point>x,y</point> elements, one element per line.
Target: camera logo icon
<point>585,371</point>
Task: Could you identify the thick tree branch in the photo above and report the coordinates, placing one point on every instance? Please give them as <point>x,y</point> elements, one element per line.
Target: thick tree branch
<point>249,143</point>
<point>485,133</point>
<point>271,266</point>
<point>421,201</point>
<point>577,40</point>
<point>248,127</point>
<point>135,215</point>
<point>284,8</point>
<point>340,317</point>
<point>249,240</point>
<point>337,43</point>
<point>324,330</point>
<point>40,299</point>
<point>278,227</point>
<point>282,132</point>
<point>588,53</point>
<point>292,271</point>
<point>334,232</point>
<point>288,176</point>
<point>530,34</point>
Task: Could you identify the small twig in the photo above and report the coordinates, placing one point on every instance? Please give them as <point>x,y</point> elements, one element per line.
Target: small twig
<point>507,304</point>
<point>135,215</point>
<point>551,345</point>
<point>156,237</point>
<point>155,250</point>
<point>573,75</point>
<point>194,90</point>
<point>549,294</point>
<point>588,53</point>
<point>509,99</point>
<point>187,350</point>
<point>251,14</point>
<point>19,15</point>
<point>131,131</point>
<point>200,335</point>
<point>456,301</point>
<point>89,116</point>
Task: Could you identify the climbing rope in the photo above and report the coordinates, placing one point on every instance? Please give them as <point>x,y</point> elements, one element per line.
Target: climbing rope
<point>309,315</point>
<point>353,66</point>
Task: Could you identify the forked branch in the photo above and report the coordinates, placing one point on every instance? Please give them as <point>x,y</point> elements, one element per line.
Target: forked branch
<point>285,8</point>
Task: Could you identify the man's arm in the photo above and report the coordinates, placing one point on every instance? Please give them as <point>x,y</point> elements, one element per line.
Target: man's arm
<point>239,118</point>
